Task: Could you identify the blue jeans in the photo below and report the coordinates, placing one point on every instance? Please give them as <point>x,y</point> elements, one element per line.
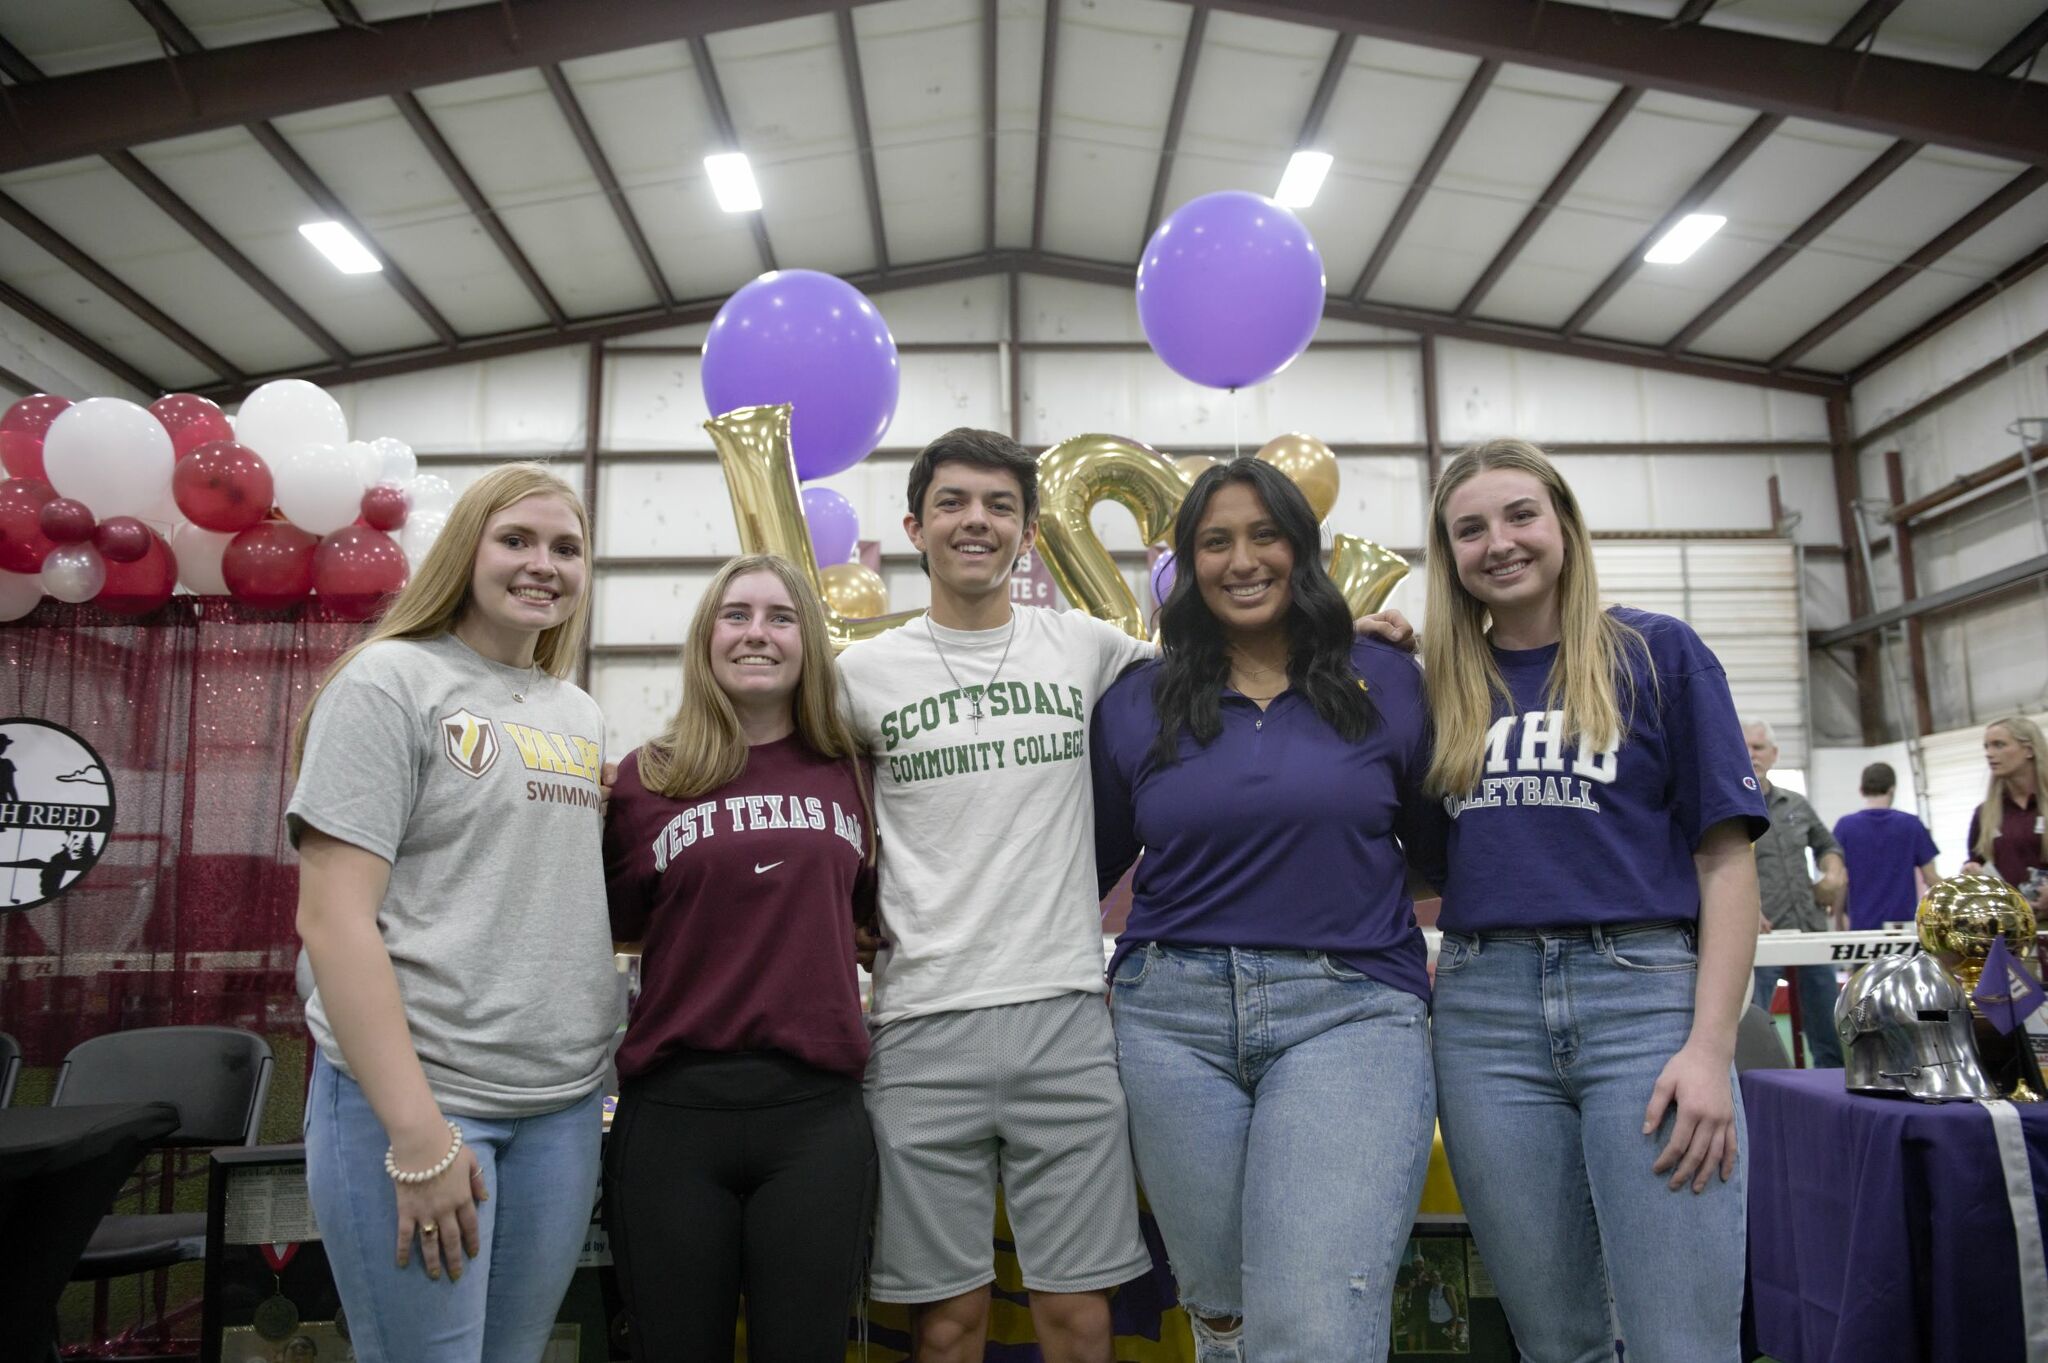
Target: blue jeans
<point>1817,995</point>
<point>1281,1107</point>
<point>541,1173</point>
<point>1547,1048</point>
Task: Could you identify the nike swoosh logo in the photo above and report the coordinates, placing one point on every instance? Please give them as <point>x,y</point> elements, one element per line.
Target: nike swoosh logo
<point>759,868</point>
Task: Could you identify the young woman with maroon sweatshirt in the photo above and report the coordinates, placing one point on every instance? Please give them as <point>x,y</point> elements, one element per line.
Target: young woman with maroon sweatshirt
<point>739,851</point>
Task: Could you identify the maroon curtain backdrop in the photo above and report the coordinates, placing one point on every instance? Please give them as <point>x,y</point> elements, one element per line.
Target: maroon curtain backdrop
<point>187,917</point>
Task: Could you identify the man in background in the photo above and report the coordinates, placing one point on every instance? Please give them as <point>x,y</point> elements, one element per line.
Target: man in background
<point>1792,899</point>
<point>1890,854</point>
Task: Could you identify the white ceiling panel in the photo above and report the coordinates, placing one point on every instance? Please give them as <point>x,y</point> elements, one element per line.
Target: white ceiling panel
<point>1384,116</point>
<point>1113,93</point>
<point>511,137</point>
<point>246,195</point>
<point>921,64</point>
<point>1020,43</point>
<point>648,111</point>
<point>1780,185</point>
<point>1522,132</point>
<point>785,87</point>
<point>78,35</point>
<point>369,156</point>
<point>93,314</point>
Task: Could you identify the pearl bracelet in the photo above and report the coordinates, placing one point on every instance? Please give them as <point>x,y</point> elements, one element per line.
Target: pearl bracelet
<point>426,1175</point>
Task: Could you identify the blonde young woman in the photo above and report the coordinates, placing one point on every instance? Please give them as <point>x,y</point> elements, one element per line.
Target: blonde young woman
<point>451,900</point>
<point>1600,914</point>
<point>2008,833</point>
<point>740,850</point>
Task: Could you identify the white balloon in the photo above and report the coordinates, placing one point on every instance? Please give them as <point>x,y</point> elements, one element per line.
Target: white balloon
<point>286,416</point>
<point>110,454</point>
<point>74,573</point>
<point>368,462</point>
<point>319,488</point>
<point>418,534</point>
<point>430,494</point>
<point>199,553</point>
<point>19,593</point>
<point>398,463</point>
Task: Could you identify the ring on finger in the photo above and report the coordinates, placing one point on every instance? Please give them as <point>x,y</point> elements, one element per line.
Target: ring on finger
<point>429,1228</point>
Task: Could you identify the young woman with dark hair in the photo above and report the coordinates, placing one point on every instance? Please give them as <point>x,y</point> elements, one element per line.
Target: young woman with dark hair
<point>1269,996</point>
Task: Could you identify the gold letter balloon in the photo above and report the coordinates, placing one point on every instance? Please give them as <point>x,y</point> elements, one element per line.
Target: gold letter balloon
<point>1073,477</point>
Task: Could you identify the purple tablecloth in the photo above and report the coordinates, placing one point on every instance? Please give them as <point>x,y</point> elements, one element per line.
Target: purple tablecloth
<point>1879,1229</point>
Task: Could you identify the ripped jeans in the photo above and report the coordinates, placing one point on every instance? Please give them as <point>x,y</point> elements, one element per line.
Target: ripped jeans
<point>1281,1110</point>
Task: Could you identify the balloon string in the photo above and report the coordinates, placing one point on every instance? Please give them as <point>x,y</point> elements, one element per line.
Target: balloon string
<point>1236,449</point>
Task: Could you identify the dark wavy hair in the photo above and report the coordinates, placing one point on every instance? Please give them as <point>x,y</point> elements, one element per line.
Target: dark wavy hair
<point>1194,665</point>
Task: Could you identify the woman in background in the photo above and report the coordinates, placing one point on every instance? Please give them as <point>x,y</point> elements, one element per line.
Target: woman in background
<point>2008,832</point>
<point>740,849</point>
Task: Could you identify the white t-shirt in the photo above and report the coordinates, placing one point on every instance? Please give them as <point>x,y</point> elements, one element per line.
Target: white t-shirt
<point>988,829</point>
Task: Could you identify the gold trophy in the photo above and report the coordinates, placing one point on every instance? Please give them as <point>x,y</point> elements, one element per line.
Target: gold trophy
<point>1958,921</point>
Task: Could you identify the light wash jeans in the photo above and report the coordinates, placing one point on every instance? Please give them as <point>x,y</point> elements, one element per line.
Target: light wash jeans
<point>1547,1049</point>
<point>1817,994</point>
<point>542,1176</point>
<point>1281,1105</point>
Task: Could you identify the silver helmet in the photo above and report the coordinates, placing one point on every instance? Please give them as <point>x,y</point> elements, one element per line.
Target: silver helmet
<point>1905,1029</point>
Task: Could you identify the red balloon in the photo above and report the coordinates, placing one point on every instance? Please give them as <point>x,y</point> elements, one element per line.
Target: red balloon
<point>223,486</point>
<point>66,521</point>
<point>269,564</point>
<point>384,507</point>
<point>122,539</point>
<point>21,434</point>
<point>355,570</point>
<point>23,545</point>
<point>192,421</point>
<point>139,585</point>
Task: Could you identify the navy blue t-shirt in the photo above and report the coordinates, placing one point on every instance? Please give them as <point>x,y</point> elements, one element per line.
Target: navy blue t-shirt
<point>1276,834</point>
<point>1556,837</point>
<point>1881,848</point>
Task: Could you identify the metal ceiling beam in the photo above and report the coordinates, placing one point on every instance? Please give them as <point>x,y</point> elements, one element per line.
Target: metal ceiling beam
<point>1439,152</point>
<point>1954,235</point>
<point>721,119</point>
<point>1047,65</point>
<point>601,169</point>
<point>103,279</point>
<point>1983,293</point>
<point>1444,324</point>
<point>1998,580</point>
<point>121,106</point>
<point>990,22</point>
<point>185,47</point>
<point>1975,379</point>
<point>1619,108</point>
<point>857,103</point>
<point>1190,53</point>
<point>1889,95</point>
<point>17,67</point>
<point>1326,90</point>
<point>38,315</point>
<point>2003,62</point>
<point>1861,26</point>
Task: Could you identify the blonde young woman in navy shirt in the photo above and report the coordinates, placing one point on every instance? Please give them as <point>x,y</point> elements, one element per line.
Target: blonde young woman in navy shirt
<point>1600,914</point>
<point>1270,1000</point>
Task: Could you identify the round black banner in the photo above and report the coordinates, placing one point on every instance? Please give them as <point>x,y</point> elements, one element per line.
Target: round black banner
<point>56,811</point>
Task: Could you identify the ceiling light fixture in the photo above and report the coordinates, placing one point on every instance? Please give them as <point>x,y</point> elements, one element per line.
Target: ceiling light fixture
<point>732,180</point>
<point>1677,245</point>
<point>340,246</point>
<point>1302,179</point>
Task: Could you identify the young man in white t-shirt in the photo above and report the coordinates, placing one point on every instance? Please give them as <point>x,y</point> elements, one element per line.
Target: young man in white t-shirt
<point>993,1056</point>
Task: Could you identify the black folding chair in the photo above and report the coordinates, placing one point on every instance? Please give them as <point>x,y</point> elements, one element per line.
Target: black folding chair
<point>1757,1043</point>
<point>217,1077</point>
<point>10,1067</point>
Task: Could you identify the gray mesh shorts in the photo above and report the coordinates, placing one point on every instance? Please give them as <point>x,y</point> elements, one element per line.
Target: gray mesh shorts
<point>1026,1092</point>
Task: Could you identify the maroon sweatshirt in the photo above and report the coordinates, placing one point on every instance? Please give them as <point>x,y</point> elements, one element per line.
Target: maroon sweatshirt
<point>744,899</point>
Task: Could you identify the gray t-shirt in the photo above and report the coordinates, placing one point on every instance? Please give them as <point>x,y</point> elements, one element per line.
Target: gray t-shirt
<point>486,806</point>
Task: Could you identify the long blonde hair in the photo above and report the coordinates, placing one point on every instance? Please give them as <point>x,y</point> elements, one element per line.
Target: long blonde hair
<point>434,600</point>
<point>703,747</point>
<point>1991,814</point>
<point>1590,680</point>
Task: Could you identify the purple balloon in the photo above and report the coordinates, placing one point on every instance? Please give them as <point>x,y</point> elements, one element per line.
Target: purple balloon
<point>1230,289</point>
<point>835,530</point>
<point>1162,577</point>
<point>816,342</point>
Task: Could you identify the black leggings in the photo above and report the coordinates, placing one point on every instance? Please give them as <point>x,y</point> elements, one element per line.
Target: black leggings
<point>739,1173</point>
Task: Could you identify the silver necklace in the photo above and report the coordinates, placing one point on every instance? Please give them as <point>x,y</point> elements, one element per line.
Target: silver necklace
<point>973,697</point>
<point>532,683</point>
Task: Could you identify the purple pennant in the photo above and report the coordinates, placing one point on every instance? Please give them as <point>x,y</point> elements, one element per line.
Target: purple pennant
<point>2005,992</point>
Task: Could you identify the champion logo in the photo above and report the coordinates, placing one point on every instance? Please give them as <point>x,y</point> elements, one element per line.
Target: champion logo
<point>759,868</point>
<point>1749,781</point>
